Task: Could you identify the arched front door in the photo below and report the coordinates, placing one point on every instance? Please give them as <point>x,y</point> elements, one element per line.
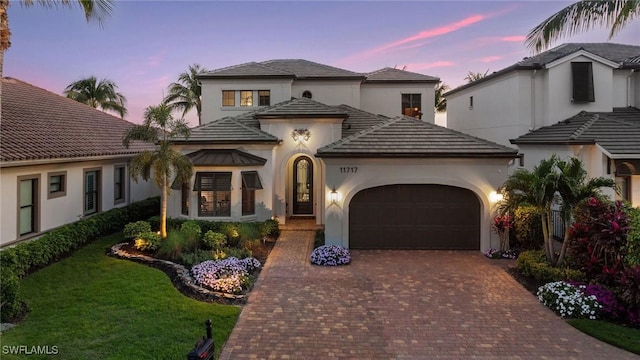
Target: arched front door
<point>302,186</point>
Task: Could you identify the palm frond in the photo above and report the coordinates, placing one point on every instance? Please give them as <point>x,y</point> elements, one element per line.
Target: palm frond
<point>582,16</point>
<point>141,133</point>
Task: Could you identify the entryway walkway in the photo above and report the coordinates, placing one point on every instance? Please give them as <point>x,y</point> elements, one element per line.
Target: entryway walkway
<point>399,305</point>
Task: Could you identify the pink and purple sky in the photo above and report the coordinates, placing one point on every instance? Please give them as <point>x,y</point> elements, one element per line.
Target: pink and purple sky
<point>144,45</point>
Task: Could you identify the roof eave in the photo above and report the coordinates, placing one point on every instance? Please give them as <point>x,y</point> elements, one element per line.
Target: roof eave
<point>491,76</point>
<point>214,76</point>
<point>552,142</point>
<point>301,116</point>
<point>401,81</point>
<point>225,142</point>
<point>510,155</point>
<point>33,162</point>
<point>346,77</point>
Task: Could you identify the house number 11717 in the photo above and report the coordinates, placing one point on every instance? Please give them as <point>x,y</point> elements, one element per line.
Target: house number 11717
<point>349,169</point>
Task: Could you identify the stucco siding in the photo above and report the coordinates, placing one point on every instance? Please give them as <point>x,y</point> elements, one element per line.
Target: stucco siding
<point>500,108</point>
<point>57,211</point>
<point>212,108</point>
<point>329,92</point>
<point>480,176</point>
<point>386,99</point>
<point>560,104</point>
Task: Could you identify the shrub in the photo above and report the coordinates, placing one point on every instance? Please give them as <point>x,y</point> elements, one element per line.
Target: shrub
<point>214,240</point>
<point>270,228</point>
<point>493,253</point>
<point>527,229</point>
<point>172,246</point>
<point>230,275</point>
<point>611,308</point>
<point>599,238</point>
<point>330,255</point>
<point>134,229</point>
<point>627,288</point>
<point>147,241</point>
<point>191,231</point>
<point>197,257</point>
<point>533,263</point>
<point>240,253</point>
<point>568,301</point>
<point>9,303</point>
<point>633,238</point>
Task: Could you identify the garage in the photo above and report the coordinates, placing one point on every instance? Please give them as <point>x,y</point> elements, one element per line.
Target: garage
<point>414,216</point>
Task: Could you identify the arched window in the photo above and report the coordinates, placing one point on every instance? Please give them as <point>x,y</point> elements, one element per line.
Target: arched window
<point>307,94</point>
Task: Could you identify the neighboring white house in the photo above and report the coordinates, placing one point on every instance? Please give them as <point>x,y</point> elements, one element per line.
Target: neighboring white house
<point>538,102</point>
<point>59,161</point>
<point>608,143</point>
<point>544,89</point>
<point>333,145</point>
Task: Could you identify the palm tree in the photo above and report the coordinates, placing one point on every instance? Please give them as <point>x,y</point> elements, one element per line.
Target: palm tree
<point>552,181</point>
<point>575,188</point>
<point>159,128</point>
<point>441,102</point>
<point>97,94</point>
<point>582,16</point>
<point>473,76</point>
<point>186,94</point>
<point>94,10</point>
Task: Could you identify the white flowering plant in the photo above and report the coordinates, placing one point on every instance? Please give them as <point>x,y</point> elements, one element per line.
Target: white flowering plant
<point>231,275</point>
<point>568,300</point>
<point>330,255</point>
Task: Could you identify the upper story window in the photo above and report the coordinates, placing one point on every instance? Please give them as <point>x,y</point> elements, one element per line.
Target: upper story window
<point>412,105</point>
<point>228,98</point>
<point>307,94</point>
<point>246,98</point>
<point>582,76</point>
<point>57,184</point>
<point>264,97</point>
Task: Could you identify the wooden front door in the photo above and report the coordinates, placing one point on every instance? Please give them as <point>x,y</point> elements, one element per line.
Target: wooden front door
<point>302,186</point>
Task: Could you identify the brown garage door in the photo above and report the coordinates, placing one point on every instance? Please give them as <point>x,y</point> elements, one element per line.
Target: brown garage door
<point>411,216</point>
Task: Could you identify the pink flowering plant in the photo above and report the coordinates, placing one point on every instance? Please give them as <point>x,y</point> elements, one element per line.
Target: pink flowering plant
<point>231,275</point>
<point>330,255</point>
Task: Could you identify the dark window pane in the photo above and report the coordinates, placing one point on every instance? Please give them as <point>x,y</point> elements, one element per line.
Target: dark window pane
<point>264,98</point>
<point>582,74</point>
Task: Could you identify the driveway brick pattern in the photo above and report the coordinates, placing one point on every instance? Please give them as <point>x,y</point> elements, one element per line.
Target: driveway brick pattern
<point>397,304</point>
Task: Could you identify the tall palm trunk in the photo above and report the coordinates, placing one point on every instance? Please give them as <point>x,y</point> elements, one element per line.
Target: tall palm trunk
<point>163,208</point>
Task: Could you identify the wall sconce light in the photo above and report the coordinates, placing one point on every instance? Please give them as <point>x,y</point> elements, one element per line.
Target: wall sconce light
<point>495,197</point>
<point>300,134</point>
<point>334,195</point>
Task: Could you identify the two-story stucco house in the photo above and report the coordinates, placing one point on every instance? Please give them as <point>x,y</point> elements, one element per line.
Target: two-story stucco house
<point>359,153</point>
<point>60,160</point>
<point>596,85</point>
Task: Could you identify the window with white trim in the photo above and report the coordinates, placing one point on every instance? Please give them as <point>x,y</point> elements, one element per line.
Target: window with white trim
<point>214,193</point>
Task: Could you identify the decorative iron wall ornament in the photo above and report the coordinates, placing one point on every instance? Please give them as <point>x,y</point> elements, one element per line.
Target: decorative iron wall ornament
<point>301,134</point>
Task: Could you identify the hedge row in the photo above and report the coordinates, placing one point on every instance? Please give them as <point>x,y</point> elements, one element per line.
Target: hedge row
<point>533,263</point>
<point>29,256</point>
<point>264,228</point>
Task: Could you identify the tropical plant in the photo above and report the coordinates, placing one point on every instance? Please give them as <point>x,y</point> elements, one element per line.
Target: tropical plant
<point>159,128</point>
<point>568,300</point>
<point>551,182</point>
<point>185,94</point>
<point>582,16</point>
<point>441,102</point>
<point>473,76</point>
<point>97,94</point>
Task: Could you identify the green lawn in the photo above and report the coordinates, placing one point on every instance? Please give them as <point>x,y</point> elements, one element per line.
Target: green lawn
<point>92,306</point>
<point>620,336</point>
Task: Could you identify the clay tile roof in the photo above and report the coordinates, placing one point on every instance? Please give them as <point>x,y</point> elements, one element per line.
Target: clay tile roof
<point>409,137</point>
<point>250,70</point>
<point>227,130</point>
<point>38,124</point>
<point>618,132</point>
<point>388,75</point>
<point>305,69</point>
<point>299,108</point>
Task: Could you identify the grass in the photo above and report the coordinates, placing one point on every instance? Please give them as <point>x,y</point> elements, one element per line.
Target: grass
<point>92,306</point>
<point>616,335</point>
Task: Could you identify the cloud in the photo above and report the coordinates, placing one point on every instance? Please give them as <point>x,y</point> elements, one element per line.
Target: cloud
<point>515,38</point>
<point>493,58</point>
<point>416,39</point>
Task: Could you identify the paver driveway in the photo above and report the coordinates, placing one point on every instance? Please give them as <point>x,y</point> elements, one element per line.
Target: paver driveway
<point>399,305</point>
